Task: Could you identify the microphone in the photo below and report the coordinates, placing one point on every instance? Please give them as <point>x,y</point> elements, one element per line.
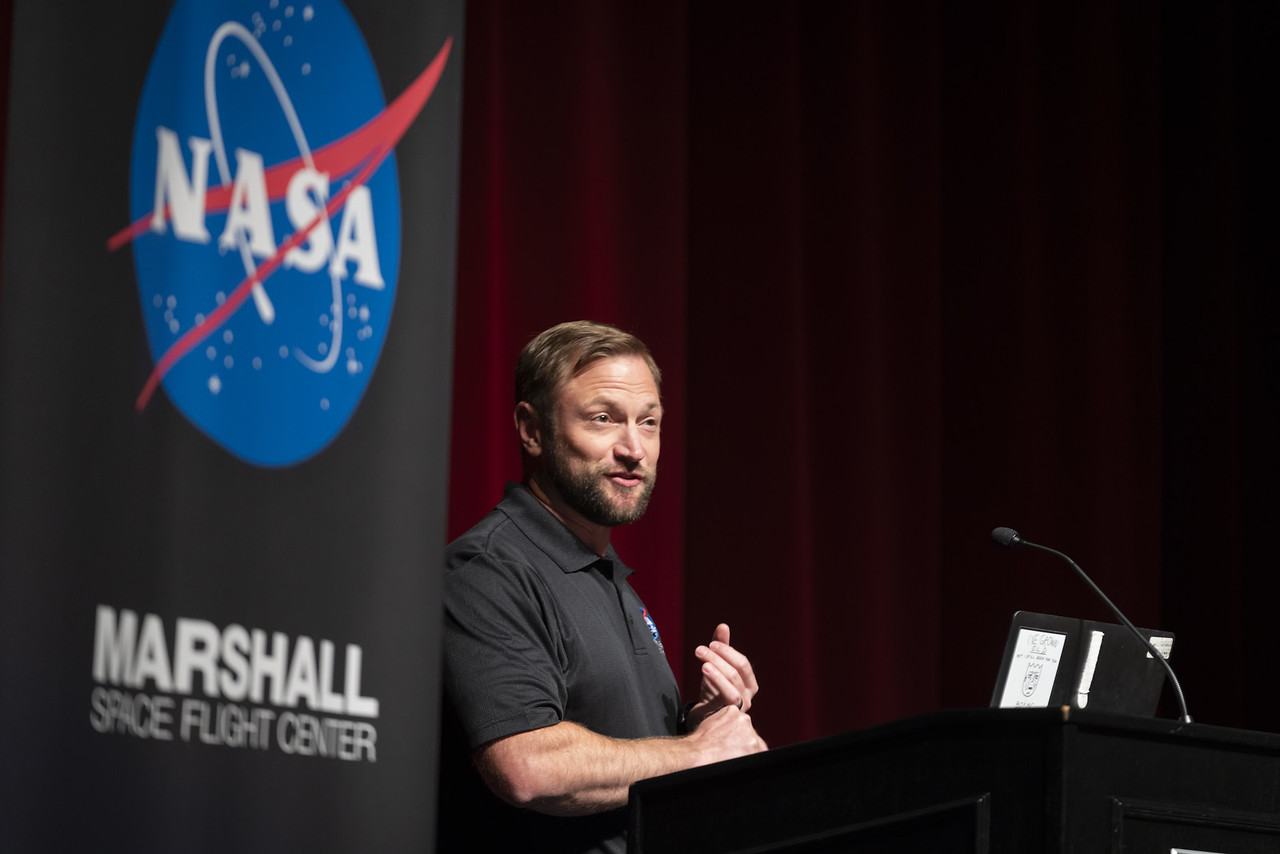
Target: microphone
<point>1009,538</point>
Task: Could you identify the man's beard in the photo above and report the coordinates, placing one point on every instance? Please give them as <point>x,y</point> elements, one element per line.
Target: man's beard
<point>587,491</point>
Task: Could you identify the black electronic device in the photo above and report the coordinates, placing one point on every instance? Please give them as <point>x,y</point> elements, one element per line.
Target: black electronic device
<point>1063,661</point>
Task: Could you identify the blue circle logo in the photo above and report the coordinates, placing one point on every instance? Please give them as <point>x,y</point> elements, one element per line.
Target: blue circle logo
<point>265,215</point>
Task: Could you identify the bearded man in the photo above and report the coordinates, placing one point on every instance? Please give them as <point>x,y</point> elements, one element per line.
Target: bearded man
<point>557,694</point>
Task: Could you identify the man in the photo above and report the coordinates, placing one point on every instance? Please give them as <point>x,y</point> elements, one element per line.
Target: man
<point>556,686</point>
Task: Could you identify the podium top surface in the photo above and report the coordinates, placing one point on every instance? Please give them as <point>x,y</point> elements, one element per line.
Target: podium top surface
<point>1059,723</point>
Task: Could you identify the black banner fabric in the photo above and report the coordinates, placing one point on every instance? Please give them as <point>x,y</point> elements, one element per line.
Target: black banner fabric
<point>225,340</point>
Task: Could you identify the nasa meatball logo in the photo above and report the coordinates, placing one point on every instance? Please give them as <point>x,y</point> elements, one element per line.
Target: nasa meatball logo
<point>265,220</point>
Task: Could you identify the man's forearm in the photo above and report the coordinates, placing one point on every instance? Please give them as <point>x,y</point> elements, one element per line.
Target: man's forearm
<point>567,769</point>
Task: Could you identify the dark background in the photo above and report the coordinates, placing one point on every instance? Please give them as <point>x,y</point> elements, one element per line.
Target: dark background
<point>912,271</point>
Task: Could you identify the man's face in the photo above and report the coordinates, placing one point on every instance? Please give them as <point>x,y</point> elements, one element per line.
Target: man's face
<point>601,447</point>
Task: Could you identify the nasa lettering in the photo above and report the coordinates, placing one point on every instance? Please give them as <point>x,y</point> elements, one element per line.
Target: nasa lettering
<point>213,687</point>
<point>265,220</point>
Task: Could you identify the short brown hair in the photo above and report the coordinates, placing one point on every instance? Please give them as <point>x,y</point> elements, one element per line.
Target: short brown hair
<point>566,350</point>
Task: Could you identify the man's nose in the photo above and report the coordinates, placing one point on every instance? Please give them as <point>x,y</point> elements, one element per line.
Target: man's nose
<point>630,446</point>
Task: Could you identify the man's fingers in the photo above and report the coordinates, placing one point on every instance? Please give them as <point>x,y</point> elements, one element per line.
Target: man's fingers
<point>739,663</point>
<point>716,665</point>
<point>727,674</point>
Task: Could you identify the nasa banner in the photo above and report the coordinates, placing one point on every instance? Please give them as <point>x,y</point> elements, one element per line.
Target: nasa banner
<point>225,351</point>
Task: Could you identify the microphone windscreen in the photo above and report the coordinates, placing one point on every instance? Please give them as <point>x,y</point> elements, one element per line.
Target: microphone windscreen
<point>1006,537</point>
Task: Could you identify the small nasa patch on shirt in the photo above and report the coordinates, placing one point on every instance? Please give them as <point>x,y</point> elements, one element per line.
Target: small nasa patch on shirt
<point>653,628</point>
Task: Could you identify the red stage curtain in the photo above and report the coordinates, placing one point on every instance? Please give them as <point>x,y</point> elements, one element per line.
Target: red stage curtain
<point>573,206</point>
<point>815,371</point>
<point>912,273</point>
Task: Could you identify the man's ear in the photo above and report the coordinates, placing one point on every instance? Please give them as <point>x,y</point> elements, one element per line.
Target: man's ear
<point>529,427</point>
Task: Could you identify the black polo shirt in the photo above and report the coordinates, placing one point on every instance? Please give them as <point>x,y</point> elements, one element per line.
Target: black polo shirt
<point>539,629</point>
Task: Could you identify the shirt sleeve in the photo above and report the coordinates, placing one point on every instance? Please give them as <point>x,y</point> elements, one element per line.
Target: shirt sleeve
<point>504,663</point>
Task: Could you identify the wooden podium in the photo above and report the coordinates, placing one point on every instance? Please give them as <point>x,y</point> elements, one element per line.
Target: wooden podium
<point>983,780</point>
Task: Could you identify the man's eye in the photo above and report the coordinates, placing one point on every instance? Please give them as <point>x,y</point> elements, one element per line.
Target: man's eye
<point>601,418</point>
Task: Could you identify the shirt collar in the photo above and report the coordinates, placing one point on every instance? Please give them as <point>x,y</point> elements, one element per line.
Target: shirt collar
<point>554,537</point>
